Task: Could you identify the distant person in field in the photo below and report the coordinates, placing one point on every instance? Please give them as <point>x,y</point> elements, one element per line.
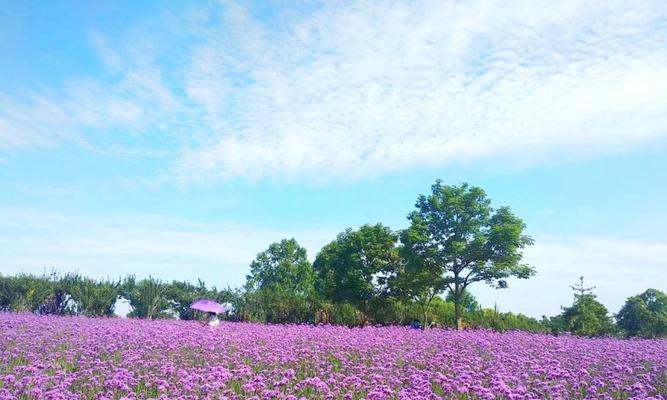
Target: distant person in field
<point>416,324</point>
<point>213,320</point>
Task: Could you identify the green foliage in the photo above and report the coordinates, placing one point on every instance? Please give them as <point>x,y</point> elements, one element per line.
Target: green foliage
<point>71,294</point>
<point>354,268</point>
<point>456,235</point>
<point>8,291</point>
<point>95,298</point>
<point>554,325</point>
<point>281,285</point>
<point>45,294</point>
<point>148,297</point>
<point>492,319</point>
<point>345,314</point>
<point>644,315</point>
<point>418,278</point>
<point>442,312</point>
<point>180,295</point>
<point>586,316</point>
<point>284,266</point>
<point>469,303</point>
<point>277,306</point>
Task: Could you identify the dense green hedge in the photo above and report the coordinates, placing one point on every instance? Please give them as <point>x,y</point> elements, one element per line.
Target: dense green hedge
<point>72,294</point>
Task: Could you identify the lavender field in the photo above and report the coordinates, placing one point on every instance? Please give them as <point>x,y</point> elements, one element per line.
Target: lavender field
<point>84,358</point>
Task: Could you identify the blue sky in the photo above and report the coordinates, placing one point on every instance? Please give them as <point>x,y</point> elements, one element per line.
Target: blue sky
<point>178,139</point>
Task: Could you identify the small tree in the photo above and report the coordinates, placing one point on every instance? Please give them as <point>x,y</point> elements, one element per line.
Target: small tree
<point>147,297</point>
<point>284,265</point>
<point>418,277</point>
<point>586,316</point>
<point>644,315</point>
<point>455,232</point>
<point>419,285</point>
<point>95,298</point>
<point>44,294</point>
<point>56,296</point>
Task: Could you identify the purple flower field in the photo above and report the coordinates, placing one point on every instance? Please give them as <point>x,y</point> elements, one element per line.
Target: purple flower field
<point>82,358</point>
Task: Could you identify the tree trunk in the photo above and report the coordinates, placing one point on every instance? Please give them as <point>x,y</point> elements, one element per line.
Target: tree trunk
<point>426,307</point>
<point>457,312</point>
<point>458,292</point>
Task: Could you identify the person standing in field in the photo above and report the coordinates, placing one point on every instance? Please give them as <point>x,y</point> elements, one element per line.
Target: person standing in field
<point>416,324</point>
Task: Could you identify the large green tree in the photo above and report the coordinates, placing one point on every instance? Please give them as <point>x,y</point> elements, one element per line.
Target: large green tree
<point>644,315</point>
<point>284,266</point>
<point>281,283</point>
<point>355,266</point>
<point>456,235</point>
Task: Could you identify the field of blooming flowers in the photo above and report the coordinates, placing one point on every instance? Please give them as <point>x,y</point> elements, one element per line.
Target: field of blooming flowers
<point>83,358</point>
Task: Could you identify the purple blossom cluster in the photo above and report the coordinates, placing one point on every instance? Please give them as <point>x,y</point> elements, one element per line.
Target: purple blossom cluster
<point>45,357</point>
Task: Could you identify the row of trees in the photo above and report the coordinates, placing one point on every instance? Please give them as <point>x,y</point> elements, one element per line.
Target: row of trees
<point>642,315</point>
<point>369,275</point>
<point>455,239</point>
<point>72,294</point>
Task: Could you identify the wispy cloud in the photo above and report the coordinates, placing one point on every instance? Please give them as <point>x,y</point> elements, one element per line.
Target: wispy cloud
<point>113,246</point>
<point>110,59</point>
<point>345,91</point>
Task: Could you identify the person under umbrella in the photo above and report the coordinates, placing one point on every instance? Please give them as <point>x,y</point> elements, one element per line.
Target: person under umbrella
<point>210,307</point>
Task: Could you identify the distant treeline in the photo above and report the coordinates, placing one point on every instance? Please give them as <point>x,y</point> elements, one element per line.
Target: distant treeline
<point>71,294</point>
<point>368,275</point>
<point>150,298</point>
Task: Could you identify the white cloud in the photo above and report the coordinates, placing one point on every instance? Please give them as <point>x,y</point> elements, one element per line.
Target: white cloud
<point>110,58</point>
<point>348,91</point>
<point>114,246</point>
<point>362,90</point>
<point>617,268</point>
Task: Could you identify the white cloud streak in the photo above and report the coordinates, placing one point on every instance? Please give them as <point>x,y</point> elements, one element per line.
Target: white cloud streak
<point>114,246</point>
<point>347,91</point>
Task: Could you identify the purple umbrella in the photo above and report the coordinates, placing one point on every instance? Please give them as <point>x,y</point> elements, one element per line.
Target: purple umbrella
<point>208,306</point>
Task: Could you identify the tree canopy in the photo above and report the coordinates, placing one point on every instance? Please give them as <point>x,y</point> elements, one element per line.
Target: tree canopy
<point>458,239</point>
<point>644,315</point>
<point>586,316</point>
<point>281,284</point>
<point>355,267</point>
